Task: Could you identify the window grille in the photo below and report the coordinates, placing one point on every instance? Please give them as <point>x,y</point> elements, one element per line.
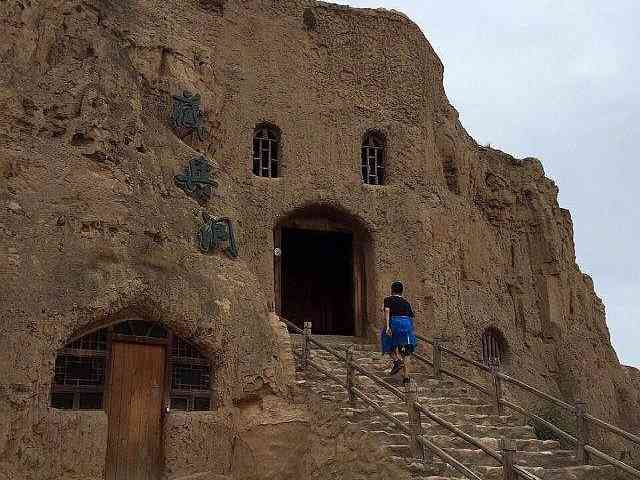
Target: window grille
<point>78,380</point>
<point>266,151</point>
<point>81,368</point>
<point>373,153</point>
<point>190,377</point>
<point>493,346</point>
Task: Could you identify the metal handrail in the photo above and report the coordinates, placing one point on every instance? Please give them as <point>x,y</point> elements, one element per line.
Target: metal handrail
<point>398,393</point>
<point>500,401</point>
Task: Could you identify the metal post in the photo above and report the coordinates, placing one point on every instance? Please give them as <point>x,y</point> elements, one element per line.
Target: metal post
<point>437,358</point>
<point>306,346</point>
<point>350,375</point>
<point>497,385</point>
<point>415,424</point>
<point>582,433</point>
<point>508,448</point>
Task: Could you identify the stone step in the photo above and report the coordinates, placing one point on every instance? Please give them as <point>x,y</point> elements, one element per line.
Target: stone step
<point>454,418</point>
<point>447,442</point>
<point>564,473</point>
<point>432,400</point>
<point>526,445</point>
<point>388,438</point>
<point>463,406</point>
<point>469,457</point>
<point>375,423</point>
<point>451,406</point>
<point>473,430</point>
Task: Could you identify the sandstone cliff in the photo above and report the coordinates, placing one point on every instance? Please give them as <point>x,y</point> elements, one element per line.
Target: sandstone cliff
<point>93,229</point>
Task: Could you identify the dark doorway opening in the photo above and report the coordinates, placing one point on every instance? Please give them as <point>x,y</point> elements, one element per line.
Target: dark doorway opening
<point>317,280</point>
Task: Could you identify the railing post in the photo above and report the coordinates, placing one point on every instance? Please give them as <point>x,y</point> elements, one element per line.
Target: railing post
<point>497,385</point>
<point>582,433</point>
<point>306,346</point>
<point>415,424</point>
<point>437,358</point>
<point>508,450</point>
<point>350,375</point>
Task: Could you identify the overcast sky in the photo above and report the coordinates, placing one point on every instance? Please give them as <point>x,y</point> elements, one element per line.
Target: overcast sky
<point>557,80</point>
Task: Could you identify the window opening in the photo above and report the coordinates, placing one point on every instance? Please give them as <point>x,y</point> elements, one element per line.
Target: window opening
<point>372,156</point>
<point>266,146</point>
<point>80,368</point>
<point>190,377</point>
<point>140,328</point>
<point>493,346</point>
<point>78,381</point>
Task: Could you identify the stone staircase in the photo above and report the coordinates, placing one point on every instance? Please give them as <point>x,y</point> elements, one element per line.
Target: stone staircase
<point>453,402</point>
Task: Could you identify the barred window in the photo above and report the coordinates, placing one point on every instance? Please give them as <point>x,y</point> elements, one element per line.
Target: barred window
<point>81,368</point>
<point>266,151</point>
<point>190,377</point>
<point>78,381</point>
<point>494,346</point>
<point>373,153</point>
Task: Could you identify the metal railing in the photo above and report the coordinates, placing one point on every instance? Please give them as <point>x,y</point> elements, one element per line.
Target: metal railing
<point>583,450</point>
<point>419,443</point>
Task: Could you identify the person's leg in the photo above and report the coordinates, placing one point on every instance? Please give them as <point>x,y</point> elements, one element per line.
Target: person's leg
<point>397,362</point>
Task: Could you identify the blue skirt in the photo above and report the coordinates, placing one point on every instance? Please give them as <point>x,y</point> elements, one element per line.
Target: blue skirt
<point>402,336</point>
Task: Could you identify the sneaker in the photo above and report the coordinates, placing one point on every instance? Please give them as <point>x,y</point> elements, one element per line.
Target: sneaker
<point>397,365</point>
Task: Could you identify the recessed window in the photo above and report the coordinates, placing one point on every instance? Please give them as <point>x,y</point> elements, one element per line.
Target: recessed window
<point>266,151</point>
<point>373,157</point>
<point>190,377</point>
<point>494,346</point>
<point>78,381</point>
<point>82,366</point>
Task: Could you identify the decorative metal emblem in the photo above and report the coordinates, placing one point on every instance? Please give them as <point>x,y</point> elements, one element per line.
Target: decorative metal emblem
<point>196,180</point>
<point>216,231</point>
<point>186,116</point>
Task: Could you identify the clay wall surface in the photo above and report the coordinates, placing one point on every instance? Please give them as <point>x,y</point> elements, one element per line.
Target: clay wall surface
<point>93,228</point>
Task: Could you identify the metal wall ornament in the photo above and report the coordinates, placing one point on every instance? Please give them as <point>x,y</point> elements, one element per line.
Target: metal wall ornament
<point>187,117</point>
<point>216,231</point>
<point>196,179</point>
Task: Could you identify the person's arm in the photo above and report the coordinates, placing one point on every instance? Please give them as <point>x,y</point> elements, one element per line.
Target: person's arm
<point>387,316</point>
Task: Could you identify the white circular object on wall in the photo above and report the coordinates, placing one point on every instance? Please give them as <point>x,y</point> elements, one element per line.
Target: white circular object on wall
<point>277,252</point>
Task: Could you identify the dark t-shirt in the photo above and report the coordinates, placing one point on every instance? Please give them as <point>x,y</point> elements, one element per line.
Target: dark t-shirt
<point>398,306</point>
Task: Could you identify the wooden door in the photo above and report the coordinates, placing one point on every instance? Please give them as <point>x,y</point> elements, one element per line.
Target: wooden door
<point>359,290</point>
<point>136,384</point>
<point>317,280</point>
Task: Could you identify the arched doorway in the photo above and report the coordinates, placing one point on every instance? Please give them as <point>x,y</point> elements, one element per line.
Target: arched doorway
<point>136,371</point>
<point>321,270</point>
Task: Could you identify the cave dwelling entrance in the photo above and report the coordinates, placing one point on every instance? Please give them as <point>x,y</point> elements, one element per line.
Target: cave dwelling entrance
<point>320,271</point>
<point>136,371</point>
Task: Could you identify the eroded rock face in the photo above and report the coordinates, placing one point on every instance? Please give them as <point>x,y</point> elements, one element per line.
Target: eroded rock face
<point>93,227</point>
